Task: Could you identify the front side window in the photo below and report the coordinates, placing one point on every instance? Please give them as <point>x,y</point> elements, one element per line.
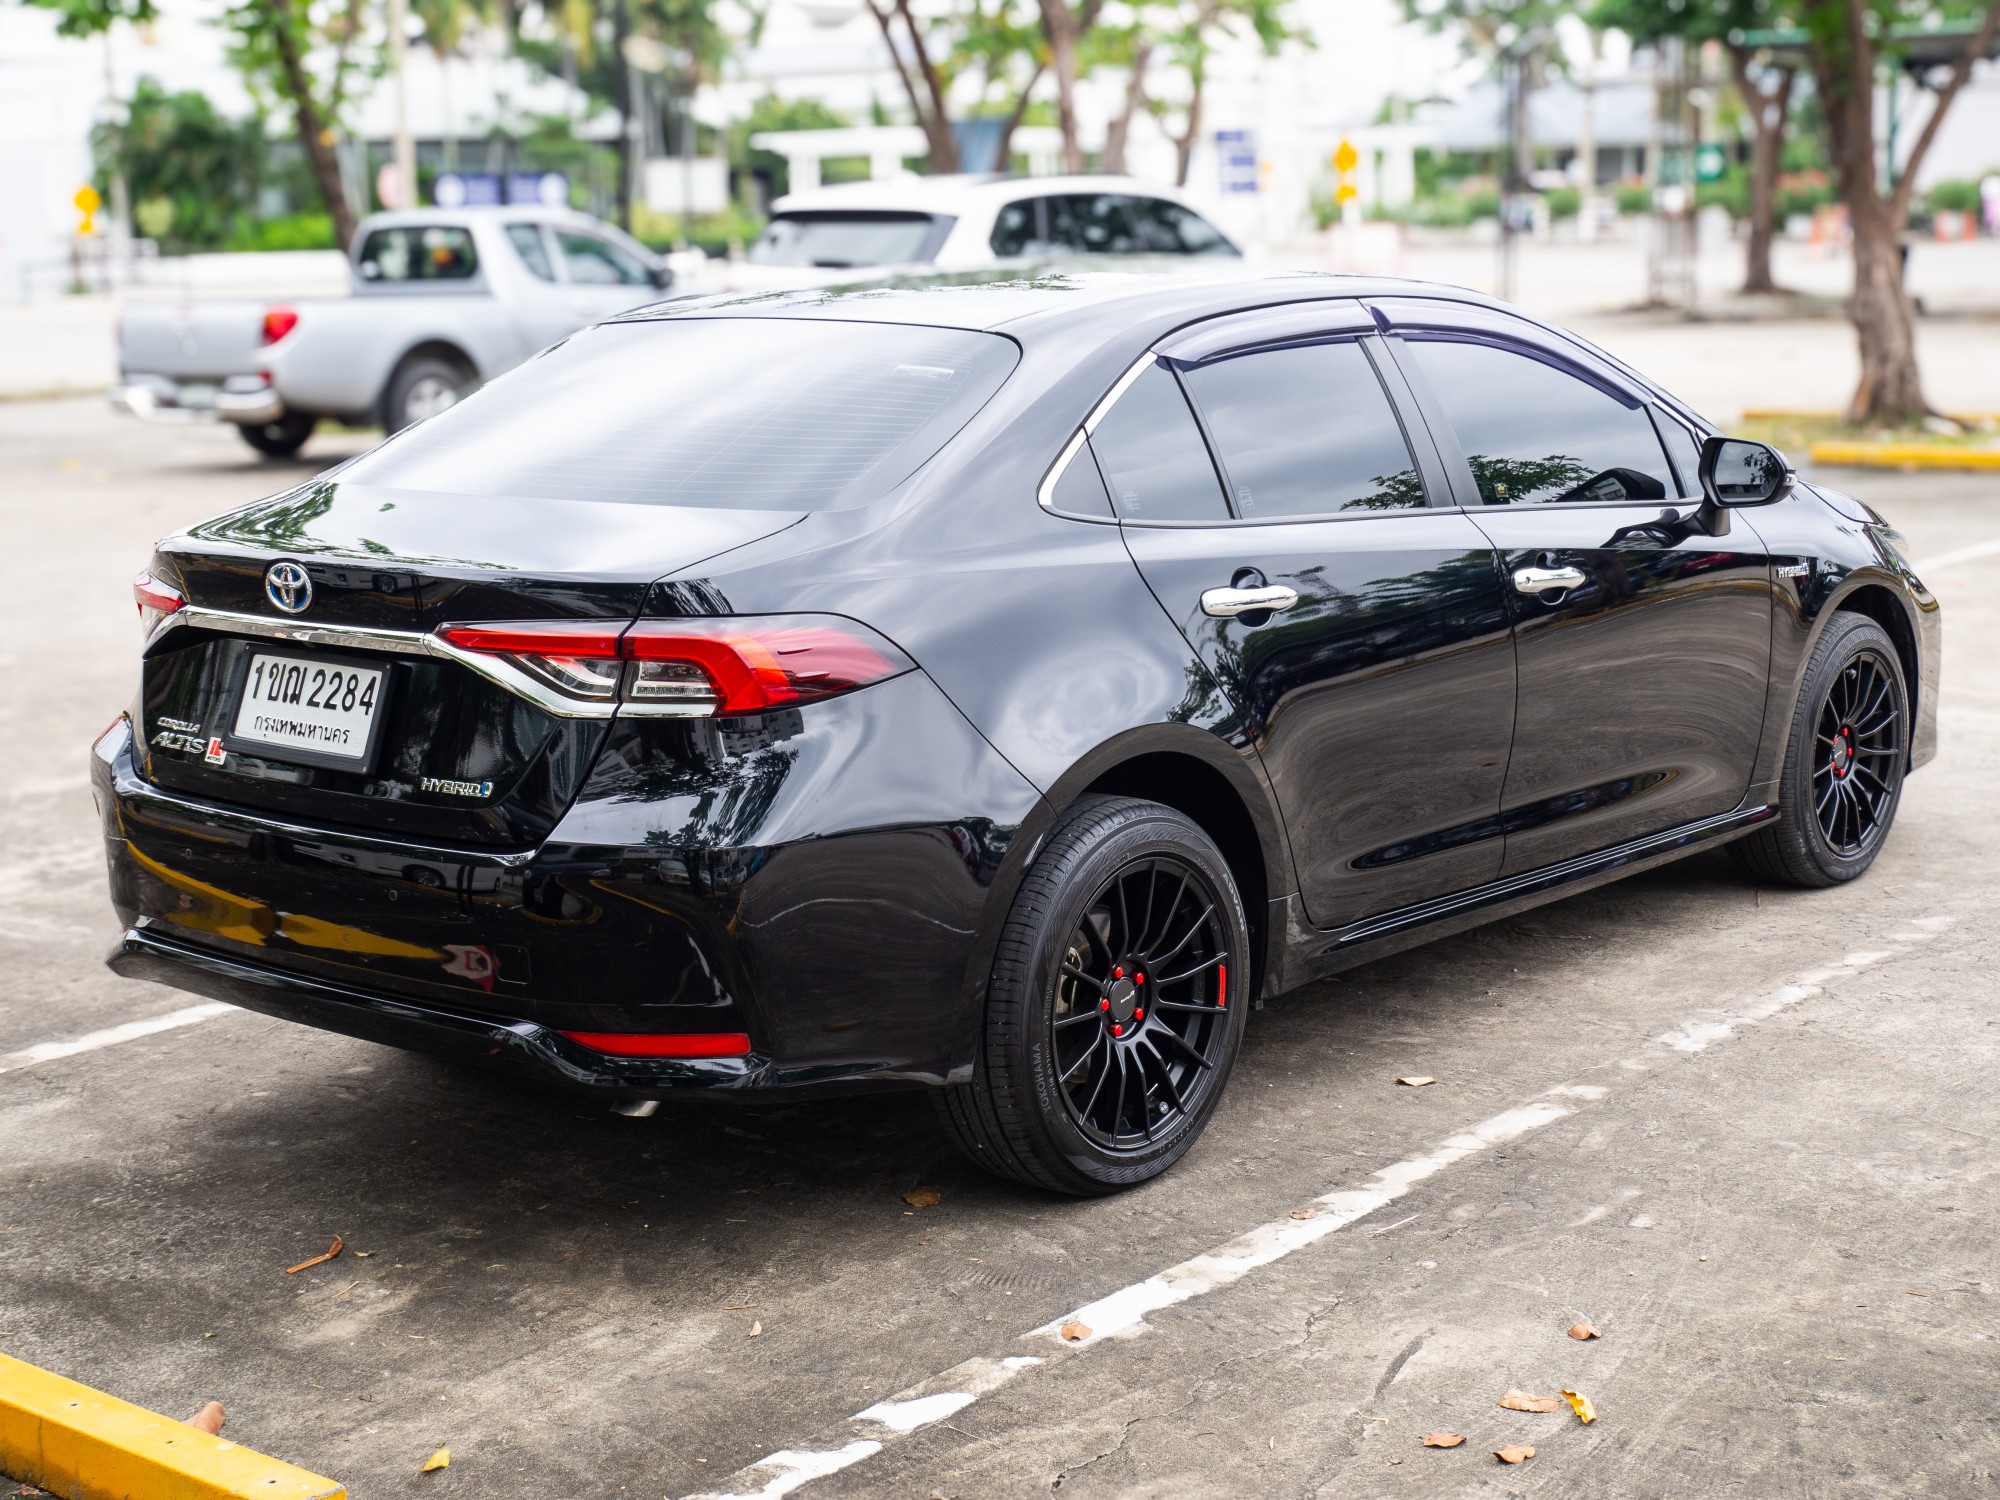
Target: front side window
<point>413,252</point>
<point>527,242</point>
<point>1537,435</point>
<point>1167,228</point>
<point>735,413</point>
<point>1153,457</point>
<point>596,262</point>
<point>837,240</point>
<point>1305,431</point>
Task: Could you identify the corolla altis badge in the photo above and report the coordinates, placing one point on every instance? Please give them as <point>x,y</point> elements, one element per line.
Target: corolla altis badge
<point>289,586</point>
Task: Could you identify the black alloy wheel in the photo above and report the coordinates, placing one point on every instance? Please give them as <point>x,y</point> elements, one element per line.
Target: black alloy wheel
<point>1844,764</point>
<point>1116,1007</point>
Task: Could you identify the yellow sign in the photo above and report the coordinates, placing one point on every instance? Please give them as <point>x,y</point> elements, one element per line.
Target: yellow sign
<point>1346,158</point>
<point>87,204</point>
<point>1346,192</point>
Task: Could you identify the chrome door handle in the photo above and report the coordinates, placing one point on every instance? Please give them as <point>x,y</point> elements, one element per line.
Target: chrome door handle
<point>1225,603</point>
<point>1549,580</point>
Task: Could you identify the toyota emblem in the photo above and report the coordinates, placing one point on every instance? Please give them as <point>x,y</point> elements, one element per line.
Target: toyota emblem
<point>289,586</point>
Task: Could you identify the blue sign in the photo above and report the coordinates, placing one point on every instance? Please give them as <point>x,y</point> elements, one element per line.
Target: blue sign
<point>490,189</point>
<point>1236,154</point>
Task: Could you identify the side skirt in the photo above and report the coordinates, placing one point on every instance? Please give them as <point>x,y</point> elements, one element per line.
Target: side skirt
<point>1316,952</point>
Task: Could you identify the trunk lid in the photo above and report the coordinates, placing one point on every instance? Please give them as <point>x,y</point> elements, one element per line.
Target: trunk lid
<point>191,340</point>
<point>440,752</point>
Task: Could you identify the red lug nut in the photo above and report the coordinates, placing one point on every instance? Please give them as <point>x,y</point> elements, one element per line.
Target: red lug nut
<point>1138,1015</point>
<point>1116,1029</point>
<point>1104,1005</point>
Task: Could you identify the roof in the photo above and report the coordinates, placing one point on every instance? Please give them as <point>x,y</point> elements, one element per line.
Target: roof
<point>1017,301</point>
<point>953,194</point>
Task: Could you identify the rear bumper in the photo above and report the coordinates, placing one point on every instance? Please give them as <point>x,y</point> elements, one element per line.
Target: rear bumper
<point>245,400</point>
<point>518,1046</point>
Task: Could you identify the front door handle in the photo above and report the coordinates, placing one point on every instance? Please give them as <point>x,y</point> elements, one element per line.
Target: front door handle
<point>1549,580</point>
<point>1225,603</point>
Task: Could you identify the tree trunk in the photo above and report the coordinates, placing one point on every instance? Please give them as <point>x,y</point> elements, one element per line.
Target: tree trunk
<point>621,73</point>
<point>1891,389</point>
<point>1059,30</point>
<point>1769,109</point>
<point>927,104</point>
<point>1119,133</point>
<point>313,132</point>
<point>1185,143</point>
<point>1003,151</point>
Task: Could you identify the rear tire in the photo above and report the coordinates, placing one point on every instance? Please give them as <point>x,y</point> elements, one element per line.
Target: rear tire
<point>423,386</point>
<point>1094,1075</point>
<point>1844,763</point>
<point>282,438</point>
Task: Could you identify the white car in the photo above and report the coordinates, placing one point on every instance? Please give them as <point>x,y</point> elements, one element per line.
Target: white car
<point>443,299</point>
<point>963,223</point>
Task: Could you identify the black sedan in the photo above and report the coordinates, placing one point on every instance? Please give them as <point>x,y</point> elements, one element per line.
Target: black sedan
<point>994,688</point>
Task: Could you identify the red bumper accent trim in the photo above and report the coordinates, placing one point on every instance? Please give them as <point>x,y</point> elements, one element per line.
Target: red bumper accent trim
<point>664,1043</point>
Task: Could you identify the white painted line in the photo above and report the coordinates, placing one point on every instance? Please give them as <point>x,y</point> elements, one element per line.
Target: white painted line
<point>1122,1314</point>
<point>1958,555</point>
<point>131,1031</point>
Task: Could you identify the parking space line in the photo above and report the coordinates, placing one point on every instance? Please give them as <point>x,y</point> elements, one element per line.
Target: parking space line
<point>111,1036</point>
<point>1122,1314</point>
<point>1958,555</point>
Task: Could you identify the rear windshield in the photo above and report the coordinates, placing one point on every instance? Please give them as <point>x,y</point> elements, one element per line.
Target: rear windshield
<point>742,413</point>
<point>410,252</point>
<point>837,240</point>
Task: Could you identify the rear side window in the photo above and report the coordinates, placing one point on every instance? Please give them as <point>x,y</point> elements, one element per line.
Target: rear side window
<point>749,413</point>
<point>1537,435</point>
<point>1305,431</point>
<point>1153,456</point>
<point>413,252</point>
<point>527,242</point>
<point>1169,229</point>
<point>596,262</point>
<point>840,239</point>
<point>1013,229</point>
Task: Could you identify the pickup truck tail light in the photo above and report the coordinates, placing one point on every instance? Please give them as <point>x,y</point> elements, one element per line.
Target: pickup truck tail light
<point>279,321</point>
<point>733,665</point>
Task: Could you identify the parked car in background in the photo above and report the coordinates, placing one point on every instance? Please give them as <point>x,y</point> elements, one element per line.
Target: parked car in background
<point>994,688</point>
<point>965,223</point>
<point>442,300</point>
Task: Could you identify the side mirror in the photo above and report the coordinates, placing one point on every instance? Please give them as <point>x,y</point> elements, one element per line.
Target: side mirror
<point>1736,471</point>
<point>661,276</point>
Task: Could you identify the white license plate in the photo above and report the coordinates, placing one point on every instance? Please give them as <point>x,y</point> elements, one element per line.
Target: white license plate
<point>325,709</point>
<point>196,395</point>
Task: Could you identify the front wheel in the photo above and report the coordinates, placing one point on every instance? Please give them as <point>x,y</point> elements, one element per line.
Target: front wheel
<point>1116,1008</point>
<point>1844,761</point>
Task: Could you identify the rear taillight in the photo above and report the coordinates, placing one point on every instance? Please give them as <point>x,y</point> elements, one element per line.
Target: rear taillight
<point>156,600</point>
<point>279,321</point>
<point>735,665</point>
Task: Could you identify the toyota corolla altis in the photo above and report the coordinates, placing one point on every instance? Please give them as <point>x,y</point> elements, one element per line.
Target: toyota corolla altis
<point>997,689</point>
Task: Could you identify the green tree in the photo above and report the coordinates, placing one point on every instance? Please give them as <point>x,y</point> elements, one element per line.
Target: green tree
<point>1519,37</point>
<point>773,113</point>
<point>1189,39</point>
<point>1765,86</point>
<point>193,175</point>
<point>302,54</point>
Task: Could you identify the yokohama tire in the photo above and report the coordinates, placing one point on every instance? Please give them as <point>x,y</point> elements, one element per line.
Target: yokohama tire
<point>1798,849</point>
<point>1018,1117</point>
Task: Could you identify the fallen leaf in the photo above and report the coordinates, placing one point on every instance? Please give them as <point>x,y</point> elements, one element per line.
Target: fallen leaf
<point>1522,1401</point>
<point>1416,1082</point>
<point>923,1197</point>
<point>1305,1213</point>
<point>1908,1293</point>
<point>1579,1404</point>
<point>1514,1453</point>
<point>1443,1439</point>
<point>363,1254</point>
<point>1074,1333</point>
<point>209,1419</point>
<point>438,1460</point>
<point>756,1328</point>
<point>334,1249</point>
<point>738,1306</point>
<point>1584,1331</point>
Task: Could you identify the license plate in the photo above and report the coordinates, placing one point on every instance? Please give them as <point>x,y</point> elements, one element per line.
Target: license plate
<point>315,709</point>
<point>195,395</point>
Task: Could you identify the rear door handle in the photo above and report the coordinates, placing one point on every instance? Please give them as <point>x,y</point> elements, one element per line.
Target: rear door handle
<point>1225,603</point>
<point>1547,580</point>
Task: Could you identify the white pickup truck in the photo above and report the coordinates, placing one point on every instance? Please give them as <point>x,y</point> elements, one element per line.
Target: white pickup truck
<point>442,300</point>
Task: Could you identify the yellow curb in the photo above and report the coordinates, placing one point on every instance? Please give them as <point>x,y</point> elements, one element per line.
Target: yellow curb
<point>81,1444</point>
<point>1905,456</point>
<point>1782,414</point>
